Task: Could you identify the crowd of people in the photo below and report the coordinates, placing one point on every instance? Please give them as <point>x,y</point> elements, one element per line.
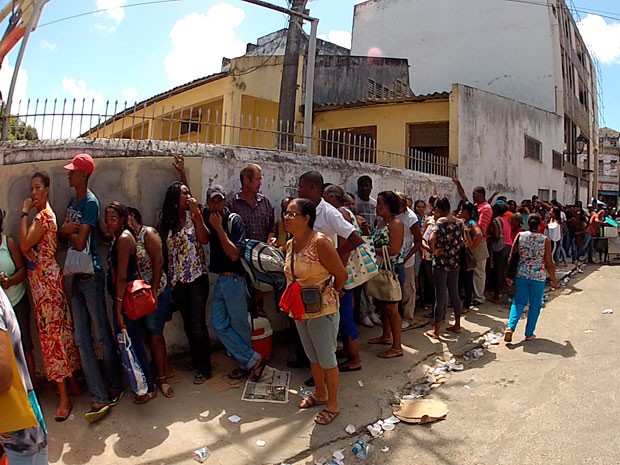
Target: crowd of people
<point>421,258</point>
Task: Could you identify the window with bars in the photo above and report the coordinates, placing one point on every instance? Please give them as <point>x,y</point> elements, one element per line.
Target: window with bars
<point>189,126</point>
<point>533,148</point>
<point>358,144</point>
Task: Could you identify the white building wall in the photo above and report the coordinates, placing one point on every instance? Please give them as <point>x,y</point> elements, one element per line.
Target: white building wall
<point>491,145</point>
<point>503,47</point>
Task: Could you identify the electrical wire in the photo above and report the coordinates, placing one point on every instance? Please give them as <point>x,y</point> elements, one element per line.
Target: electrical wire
<point>79,15</point>
<point>603,14</point>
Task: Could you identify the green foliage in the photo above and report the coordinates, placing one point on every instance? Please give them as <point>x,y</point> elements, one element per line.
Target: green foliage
<point>18,130</point>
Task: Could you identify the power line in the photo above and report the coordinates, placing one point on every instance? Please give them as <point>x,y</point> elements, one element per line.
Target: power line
<point>79,15</point>
<point>603,14</point>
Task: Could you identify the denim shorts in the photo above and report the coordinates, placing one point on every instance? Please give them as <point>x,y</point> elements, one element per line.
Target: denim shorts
<point>348,330</point>
<point>156,321</point>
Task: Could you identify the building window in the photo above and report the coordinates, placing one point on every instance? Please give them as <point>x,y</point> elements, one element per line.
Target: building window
<point>558,160</point>
<point>429,148</point>
<point>357,144</point>
<point>189,126</point>
<point>370,89</point>
<point>400,88</point>
<point>554,195</point>
<point>543,194</point>
<point>533,148</point>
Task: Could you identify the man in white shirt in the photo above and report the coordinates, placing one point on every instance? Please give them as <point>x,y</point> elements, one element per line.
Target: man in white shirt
<point>411,245</point>
<point>329,220</point>
<point>365,205</point>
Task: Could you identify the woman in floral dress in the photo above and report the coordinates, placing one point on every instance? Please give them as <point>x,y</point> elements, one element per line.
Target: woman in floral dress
<point>38,243</point>
<point>446,243</point>
<point>183,232</point>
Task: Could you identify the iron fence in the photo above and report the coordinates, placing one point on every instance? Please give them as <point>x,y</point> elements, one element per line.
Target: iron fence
<point>204,124</point>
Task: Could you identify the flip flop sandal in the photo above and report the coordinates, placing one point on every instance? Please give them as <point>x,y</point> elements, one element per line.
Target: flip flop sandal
<point>165,388</point>
<point>143,399</point>
<point>325,417</point>
<point>431,334</point>
<point>237,373</point>
<point>310,401</point>
<point>344,368</point>
<point>391,353</point>
<point>62,413</point>
<point>452,329</point>
<point>257,373</point>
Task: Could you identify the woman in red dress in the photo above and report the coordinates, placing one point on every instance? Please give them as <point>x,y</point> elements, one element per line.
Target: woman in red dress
<point>38,243</point>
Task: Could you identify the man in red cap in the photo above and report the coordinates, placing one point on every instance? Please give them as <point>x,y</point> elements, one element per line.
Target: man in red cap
<point>87,292</point>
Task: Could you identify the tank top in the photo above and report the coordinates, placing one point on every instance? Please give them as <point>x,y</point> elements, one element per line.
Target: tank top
<point>144,261</point>
<point>532,256</point>
<point>14,293</point>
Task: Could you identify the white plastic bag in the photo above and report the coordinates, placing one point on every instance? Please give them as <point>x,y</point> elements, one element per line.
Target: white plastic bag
<point>131,366</point>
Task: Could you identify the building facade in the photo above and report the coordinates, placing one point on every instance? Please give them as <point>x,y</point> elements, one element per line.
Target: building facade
<point>609,166</point>
<point>526,51</point>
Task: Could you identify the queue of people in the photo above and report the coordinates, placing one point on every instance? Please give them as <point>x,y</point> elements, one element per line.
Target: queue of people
<point>337,247</point>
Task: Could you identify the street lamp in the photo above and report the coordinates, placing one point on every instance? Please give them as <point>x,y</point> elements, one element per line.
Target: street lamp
<point>580,143</point>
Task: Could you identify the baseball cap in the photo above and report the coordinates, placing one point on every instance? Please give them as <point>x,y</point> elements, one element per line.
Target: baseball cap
<point>214,191</point>
<point>83,162</point>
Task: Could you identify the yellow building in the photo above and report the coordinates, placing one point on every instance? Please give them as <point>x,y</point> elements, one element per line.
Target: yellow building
<point>239,107</point>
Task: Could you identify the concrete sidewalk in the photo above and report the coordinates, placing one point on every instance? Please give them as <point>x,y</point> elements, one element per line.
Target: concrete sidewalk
<point>166,431</point>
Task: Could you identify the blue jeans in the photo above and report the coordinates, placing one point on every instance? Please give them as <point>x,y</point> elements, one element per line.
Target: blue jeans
<point>526,290</point>
<point>587,239</point>
<point>17,458</point>
<point>229,319</point>
<point>88,303</point>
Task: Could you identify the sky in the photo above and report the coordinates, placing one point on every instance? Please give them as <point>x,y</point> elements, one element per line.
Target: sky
<point>130,53</point>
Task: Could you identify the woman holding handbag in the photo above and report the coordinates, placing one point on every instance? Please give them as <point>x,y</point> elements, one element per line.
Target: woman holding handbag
<point>446,243</point>
<point>388,238</point>
<point>473,241</point>
<point>313,265</point>
<point>149,254</point>
<point>123,269</point>
<point>38,242</point>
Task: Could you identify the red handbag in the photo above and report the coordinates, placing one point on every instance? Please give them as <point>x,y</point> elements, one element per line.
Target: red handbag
<point>138,300</point>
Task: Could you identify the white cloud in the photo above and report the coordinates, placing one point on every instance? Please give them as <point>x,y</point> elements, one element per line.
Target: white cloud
<point>6,74</point>
<point>199,41</point>
<point>115,12</point>
<point>130,95</point>
<point>602,38</point>
<point>114,9</point>
<point>48,45</point>
<point>342,38</point>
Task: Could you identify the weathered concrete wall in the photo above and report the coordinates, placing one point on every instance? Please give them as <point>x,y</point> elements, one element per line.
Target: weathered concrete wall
<point>491,144</point>
<point>341,79</point>
<point>137,173</point>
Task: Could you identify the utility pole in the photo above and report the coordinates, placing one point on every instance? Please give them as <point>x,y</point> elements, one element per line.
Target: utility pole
<point>288,85</point>
<point>30,26</point>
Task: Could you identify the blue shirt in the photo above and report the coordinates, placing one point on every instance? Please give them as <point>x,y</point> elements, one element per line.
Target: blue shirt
<point>86,211</point>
